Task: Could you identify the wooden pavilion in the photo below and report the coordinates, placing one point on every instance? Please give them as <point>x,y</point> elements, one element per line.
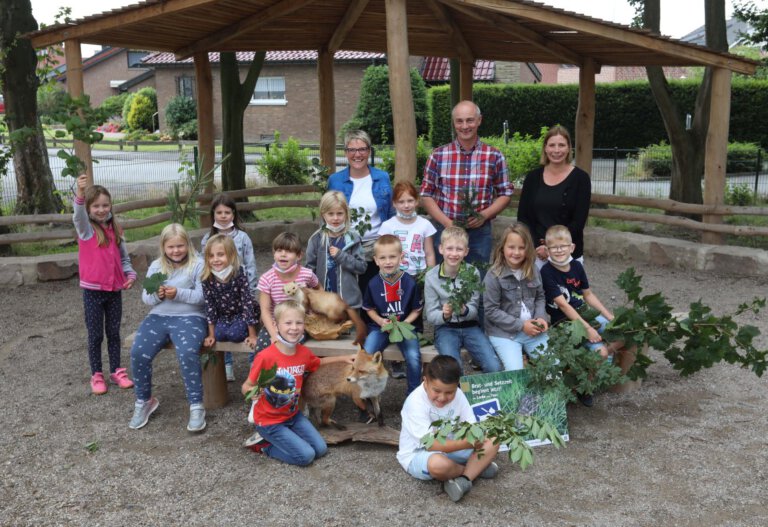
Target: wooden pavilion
<point>508,30</point>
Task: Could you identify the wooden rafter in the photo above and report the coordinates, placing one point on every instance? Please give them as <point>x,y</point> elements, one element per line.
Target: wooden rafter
<point>347,23</point>
<point>652,44</point>
<point>453,30</point>
<point>502,23</point>
<point>55,34</point>
<point>260,19</point>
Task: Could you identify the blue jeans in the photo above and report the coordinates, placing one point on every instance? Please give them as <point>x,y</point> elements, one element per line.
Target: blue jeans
<point>235,331</point>
<point>449,341</point>
<point>377,340</point>
<point>510,349</point>
<point>480,245</point>
<point>187,334</point>
<point>294,441</point>
<point>595,346</point>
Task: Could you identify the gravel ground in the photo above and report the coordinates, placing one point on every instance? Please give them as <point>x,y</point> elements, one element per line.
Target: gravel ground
<point>678,452</point>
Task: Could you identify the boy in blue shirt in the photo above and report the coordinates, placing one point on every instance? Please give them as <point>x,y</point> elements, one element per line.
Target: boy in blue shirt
<point>393,292</point>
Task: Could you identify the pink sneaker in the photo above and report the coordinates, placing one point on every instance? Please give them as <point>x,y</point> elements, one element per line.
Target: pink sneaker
<point>120,377</point>
<point>98,386</point>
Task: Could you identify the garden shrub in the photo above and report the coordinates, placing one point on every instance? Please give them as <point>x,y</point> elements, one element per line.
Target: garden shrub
<point>374,109</point>
<point>113,105</point>
<point>423,149</point>
<point>140,114</point>
<point>50,98</point>
<point>150,93</point>
<point>522,153</point>
<point>181,117</point>
<point>655,161</point>
<point>286,164</point>
<point>127,105</point>
<point>740,195</point>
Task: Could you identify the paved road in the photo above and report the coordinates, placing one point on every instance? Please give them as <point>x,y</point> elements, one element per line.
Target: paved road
<point>138,175</point>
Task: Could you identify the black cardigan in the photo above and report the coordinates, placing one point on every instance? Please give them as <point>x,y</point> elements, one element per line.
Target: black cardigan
<point>573,211</point>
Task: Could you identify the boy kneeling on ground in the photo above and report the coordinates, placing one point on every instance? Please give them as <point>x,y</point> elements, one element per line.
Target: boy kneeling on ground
<point>454,462</point>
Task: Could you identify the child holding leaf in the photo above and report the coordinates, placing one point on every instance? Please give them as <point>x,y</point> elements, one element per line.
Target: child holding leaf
<point>274,386</point>
<point>105,270</point>
<point>393,303</point>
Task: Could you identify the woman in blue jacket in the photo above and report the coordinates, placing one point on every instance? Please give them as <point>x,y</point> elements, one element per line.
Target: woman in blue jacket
<point>364,187</point>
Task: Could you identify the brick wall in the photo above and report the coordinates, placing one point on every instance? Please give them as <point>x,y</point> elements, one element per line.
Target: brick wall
<point>97,77</point>
<point>299,118</point>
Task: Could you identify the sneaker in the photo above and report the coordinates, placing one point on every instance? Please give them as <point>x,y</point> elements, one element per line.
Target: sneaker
<point>120,377</point>
<point>457,487</point>
<point>256,443</point>
<point>196,418</point>
<point>586,399</point>
<point>398,370</point>
<point>490,471</point>
<point>142,411</point>
<point>98,386</point>
<point>229,370</point>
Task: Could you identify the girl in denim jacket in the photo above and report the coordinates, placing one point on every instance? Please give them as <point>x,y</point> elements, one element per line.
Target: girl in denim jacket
<point>515,313</point>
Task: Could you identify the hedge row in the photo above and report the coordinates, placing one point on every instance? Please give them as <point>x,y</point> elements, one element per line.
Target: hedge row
<point>626,113</point>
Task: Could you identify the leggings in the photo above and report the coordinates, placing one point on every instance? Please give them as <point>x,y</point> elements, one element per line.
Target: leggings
<point>103,311</point>
<point>187,334</point>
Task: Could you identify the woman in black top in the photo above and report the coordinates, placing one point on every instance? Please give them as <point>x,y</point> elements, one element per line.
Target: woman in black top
<point>556,194</point>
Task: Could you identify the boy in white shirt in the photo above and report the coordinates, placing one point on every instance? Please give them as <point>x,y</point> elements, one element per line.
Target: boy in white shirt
<point>454,462</point>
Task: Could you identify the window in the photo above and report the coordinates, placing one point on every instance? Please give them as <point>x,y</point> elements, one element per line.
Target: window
<point>185,86</point>
<point>134,58</point>
<point>269,91</point>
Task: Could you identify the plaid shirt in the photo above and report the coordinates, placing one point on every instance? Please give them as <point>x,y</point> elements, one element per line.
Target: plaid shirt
<point>451,169</point>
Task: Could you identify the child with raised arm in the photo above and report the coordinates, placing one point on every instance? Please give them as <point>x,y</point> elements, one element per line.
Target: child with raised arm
<point>284,433</point>
<point>515,316</point>
<point>286,250</point>
<point>454,330</point>
<point>455,463</point>
<point>335,253</point>
<point>228,301</point>
<point>393,293</point>
<point>415,232</point>
<point>105,270</point>
<point>225,220</point>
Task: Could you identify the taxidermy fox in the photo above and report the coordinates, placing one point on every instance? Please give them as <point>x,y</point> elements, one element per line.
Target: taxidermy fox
<point>329,305</point>
<point>364,381</point>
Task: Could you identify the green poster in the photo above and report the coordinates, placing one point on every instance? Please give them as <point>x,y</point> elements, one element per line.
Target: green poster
<point>508,391</point>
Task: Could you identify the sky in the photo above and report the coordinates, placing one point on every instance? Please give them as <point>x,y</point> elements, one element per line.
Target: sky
<point>678,17</point>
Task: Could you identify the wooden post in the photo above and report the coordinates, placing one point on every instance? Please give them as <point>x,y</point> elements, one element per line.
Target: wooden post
<point>205,136</point>
<point>327,109</point>
<point>585,115</point>
<point>403,116</point>
<point>716,152</point>
<point>466,68</point>
<point>74,60</point>
<point>215,390</point>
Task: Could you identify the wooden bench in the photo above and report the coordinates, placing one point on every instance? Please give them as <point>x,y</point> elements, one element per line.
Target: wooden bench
<point>215,390</point>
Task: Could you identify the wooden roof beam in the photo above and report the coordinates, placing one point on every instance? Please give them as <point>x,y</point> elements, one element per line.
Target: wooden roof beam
<point>449,25</point>
<point>215,39</point>
<point>83,30</point>
<point>502,23</point>
<point>347,23</point>
<point>602,30</point>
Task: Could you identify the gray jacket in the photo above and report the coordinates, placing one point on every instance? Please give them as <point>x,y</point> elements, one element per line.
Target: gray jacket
<point>350,262</point>
<point>503,297</point>
<point>435,296</point>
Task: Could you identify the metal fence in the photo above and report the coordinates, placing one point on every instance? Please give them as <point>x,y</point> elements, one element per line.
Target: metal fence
<point>149,170</point>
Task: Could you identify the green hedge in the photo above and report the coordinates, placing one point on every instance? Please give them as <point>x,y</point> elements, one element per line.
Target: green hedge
<point>655,161</point>
<point>626,114</point>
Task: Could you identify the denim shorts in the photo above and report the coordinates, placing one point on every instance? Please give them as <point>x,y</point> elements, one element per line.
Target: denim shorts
<point>418,465</point>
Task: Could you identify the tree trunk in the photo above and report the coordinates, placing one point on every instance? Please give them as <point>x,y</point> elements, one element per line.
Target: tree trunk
<point>235,97</point>
<point>34,183</point>
<point>688,146</point>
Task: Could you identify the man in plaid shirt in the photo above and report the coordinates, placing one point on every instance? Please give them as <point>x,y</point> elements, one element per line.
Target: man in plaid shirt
<point>466,168</point>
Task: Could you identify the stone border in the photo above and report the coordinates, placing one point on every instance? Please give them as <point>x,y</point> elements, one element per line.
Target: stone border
<point>602,243</point>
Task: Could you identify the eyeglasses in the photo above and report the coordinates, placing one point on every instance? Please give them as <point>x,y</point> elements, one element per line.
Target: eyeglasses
<point>363,150</point>
<point>559,248</point>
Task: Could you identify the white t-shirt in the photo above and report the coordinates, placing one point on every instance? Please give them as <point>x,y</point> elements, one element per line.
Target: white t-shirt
<point>417,415</point>
<point>413,236</point>
<point>362,196</point>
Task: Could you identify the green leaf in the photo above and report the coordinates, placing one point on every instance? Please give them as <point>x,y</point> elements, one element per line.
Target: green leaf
<point>92,446</point>
<point>266,376</point>
<point>153,282</point>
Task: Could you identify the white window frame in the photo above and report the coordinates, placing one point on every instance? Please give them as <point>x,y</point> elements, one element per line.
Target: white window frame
<point>266,84</point>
